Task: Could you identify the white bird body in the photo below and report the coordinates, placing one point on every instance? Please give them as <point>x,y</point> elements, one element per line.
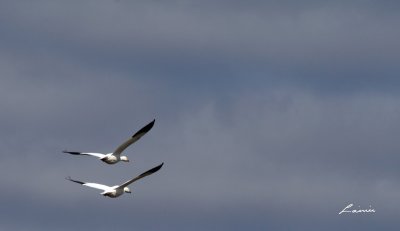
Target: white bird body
<point>117,190</point>
<point>113,192</point>
<point>110,158</point>
<point>115,157</point>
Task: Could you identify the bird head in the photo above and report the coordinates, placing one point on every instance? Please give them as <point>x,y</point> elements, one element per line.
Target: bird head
<point>124,158</point>
<point>127,190</point>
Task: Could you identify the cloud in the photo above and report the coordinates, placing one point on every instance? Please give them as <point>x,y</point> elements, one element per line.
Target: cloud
<point>268,114</point>
<point>315,42</point>
<point>282,150</point>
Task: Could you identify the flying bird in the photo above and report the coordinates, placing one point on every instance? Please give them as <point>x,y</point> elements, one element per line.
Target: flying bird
<point>117,190</point>
<point>115,157</point>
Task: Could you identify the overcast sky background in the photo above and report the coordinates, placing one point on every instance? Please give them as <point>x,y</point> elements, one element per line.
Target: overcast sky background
<point>270,115</point>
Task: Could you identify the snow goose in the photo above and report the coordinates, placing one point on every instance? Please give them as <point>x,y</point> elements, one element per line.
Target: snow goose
<point>114,157</point>
<point>117,190</point>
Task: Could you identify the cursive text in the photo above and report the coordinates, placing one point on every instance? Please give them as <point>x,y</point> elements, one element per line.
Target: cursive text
<point>348,209</point>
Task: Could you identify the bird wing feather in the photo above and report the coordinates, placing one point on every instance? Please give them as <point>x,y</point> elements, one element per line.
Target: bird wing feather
<point>134,138</point>
<point>91,185</point>
<point>148,172</point>
<point>99,155</point>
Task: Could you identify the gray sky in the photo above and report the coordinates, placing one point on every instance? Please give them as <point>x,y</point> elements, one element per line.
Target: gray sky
<point>270,115</point>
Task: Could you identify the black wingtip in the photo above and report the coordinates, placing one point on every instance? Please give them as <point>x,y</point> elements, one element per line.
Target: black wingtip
<point>155,169</point>
<point>146,128</point>
<point>76,181</point>
<point>73,153</point>
<point>151,171</point>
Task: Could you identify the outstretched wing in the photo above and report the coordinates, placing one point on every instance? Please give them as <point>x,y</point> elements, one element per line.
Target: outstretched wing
<point>149,172</point>
<point>99,155</point>
<point>91,185</point>
<point>134,138</point>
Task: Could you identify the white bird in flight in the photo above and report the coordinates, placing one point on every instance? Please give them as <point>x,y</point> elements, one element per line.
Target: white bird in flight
<point>114,157</point>
<point>117,190</point>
